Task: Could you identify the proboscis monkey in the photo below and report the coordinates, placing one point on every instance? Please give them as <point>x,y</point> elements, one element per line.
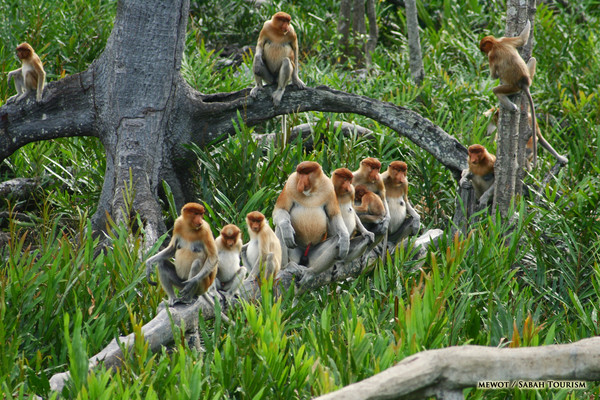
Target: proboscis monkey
<point>344,191</point>
<point>264,249</point>
<point>276,57</point>
<point>396,190</point>
<point>368,205</point>
<point>31,75</point>
<point>230,274</point>
<point>305,214</point>
<point>368,175</point>
<point>196,260</point>
<point>480,173</point>
<point>507,65</point>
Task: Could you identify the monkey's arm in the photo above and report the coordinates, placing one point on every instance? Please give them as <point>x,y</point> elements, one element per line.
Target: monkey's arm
<point>410,209</point>
<point>190,287</point>
<point>11,73</point>
<point>281,218</point>
<point>232,286</point>
<point>486,196</point>
<point>165,254</point>
<point>339,227</point>
<point>465,180</point>
<point>363,231</point>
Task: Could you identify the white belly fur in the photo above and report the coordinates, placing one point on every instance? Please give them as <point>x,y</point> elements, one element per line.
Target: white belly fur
<point>310,224</point>
<point>348,216</point>
<point>252,252</point>
<point>229,259</point>
<point>397,213</point>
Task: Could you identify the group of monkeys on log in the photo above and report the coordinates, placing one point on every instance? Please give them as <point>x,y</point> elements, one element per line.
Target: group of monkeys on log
<point>311,208</point>
<point>316,217</point>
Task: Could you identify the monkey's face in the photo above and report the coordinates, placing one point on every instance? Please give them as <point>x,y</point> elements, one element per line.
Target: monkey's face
<point>254,224</point>
<point>193,213</point>
<point>230,241</point>
<point>373,174</point>
<point>23,53</point>
<point>359,192</point>
<point>343,186</point>
<point>475,156</point>
<point>282,22</point>
<point>304,184</point>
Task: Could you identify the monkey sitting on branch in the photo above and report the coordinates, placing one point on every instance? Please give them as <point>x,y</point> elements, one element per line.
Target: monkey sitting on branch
<point>230,275</point>
<point>276,57</point>
<point>507,65</point>
<point>308,221</point>
<point>31,75</point>
<point>195,257</point>
<point>479,174</point>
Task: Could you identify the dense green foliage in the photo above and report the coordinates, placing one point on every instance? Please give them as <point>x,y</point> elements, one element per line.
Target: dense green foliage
<point>61,303</point>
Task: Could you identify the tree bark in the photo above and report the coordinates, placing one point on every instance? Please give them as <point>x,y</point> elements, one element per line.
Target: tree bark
<point>414,42</point>
<point>444,373</point>
<point>513,128</point>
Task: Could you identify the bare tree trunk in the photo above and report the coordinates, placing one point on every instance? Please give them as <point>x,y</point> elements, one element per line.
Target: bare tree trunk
<point>359,29</point>
<point>353,42</point>
<point>511,144</point>
<point>373,32</point>
<point>344,27</point>
<point>414,42</point>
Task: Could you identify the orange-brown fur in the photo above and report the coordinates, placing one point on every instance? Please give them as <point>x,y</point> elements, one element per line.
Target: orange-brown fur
<point>277,50</point>
<point>229,246</point>
<point>31,75</point>
<point>263,245</point>
<point>396,189</point>
<point>481,165</point>
<point>515,76</point>
<point>368,205</point>
<point>344,191</point>
<point>192,244</point>
<point>309,198</point>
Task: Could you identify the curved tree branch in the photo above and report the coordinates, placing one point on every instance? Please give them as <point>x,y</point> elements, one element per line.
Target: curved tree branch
<point>421,131</point>
<point>66,110</point>
<point>447,371</point>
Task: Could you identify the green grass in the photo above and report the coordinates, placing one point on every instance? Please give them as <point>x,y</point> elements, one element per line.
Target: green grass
<point>61,301</point>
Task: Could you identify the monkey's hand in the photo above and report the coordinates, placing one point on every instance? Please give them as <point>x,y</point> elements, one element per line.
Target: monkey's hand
<point>385,223</point>
<point>287,233</point>
<point>343,245</point>
<point>149,269</point>
<point>465,180</point>
<point>186,295</point>
<point>370,236</point>
<point>415,224</point>
<point>258,65</point>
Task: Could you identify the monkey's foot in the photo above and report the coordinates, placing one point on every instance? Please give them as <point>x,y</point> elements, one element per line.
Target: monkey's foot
<point>277,95</point>
<point>562,160</point>
<point>255,91</point>
<point>510,106</point>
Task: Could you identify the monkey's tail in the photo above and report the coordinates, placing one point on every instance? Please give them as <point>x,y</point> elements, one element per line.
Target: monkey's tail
<point>533,124</point>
